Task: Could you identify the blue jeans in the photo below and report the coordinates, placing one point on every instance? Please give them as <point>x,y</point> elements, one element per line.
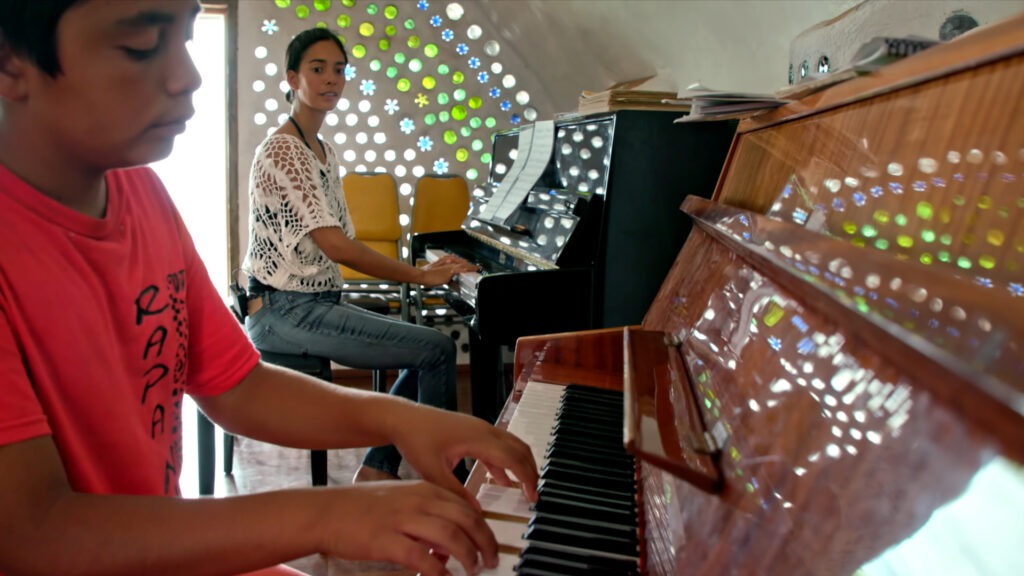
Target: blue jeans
<point>322,325</point>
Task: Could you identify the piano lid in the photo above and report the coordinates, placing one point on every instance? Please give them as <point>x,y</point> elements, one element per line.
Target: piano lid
<point>570,189</point>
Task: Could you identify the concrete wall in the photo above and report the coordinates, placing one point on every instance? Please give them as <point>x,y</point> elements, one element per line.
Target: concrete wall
<point>551,49</point>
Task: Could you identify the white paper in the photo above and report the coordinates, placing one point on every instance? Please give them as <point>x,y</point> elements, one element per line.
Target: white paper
<point>535,145</point>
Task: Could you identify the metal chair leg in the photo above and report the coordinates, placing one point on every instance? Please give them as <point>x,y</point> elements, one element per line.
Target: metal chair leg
<point>207,454</point>
<point>318,467</point>
<point>229,452</point>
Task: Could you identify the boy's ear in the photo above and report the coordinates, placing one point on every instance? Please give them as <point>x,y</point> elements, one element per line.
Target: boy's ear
<point>13,72</point>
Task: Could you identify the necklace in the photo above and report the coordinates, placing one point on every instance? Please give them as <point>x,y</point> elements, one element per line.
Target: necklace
<point>303,136</point>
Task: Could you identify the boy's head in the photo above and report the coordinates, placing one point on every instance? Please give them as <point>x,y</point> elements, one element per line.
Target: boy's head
<point>26,27</point>
<point>95,84</point>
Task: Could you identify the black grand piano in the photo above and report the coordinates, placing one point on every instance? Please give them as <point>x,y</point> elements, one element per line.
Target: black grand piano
<point>589,244</point>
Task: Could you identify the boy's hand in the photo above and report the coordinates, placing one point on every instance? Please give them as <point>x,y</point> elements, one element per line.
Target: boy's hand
<point>433,441</point>
<point>401,522</point>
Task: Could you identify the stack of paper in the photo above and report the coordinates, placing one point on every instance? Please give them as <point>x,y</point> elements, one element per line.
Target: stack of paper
<point>621,99</point>
<point>709,104</point>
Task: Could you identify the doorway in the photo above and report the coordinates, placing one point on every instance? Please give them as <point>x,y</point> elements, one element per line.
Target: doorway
<point>196,177</point>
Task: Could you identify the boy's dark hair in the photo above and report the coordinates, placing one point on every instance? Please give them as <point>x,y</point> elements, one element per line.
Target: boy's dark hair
<point>29,28</point>
<point>300,43</point>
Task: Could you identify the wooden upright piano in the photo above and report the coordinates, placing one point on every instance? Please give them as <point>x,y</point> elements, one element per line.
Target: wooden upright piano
<point>830,380</point>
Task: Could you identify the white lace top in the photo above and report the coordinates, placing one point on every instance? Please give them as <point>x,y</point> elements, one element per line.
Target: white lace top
<point>290,194</point>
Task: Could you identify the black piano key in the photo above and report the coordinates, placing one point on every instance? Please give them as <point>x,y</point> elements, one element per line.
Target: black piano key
<point>581,430</point>
<point>620,501</point>
<point>588,399</point>
<point>608,460</point>
<point>564,556</point>
<point>601,525</point>
<point>570,565</point>
<point>628,533</point>
<point>579,434</point>
<point>588,490</point>
<point>594,391</point>
<point>567,509</point>
<point>591,426</point>
<point>611,405</point>
<point>593,418</point>
<point>582,540</point>
<point>569,476</point>
<point>584,446</point>
<point>579,465</point>
<point>556,504</point>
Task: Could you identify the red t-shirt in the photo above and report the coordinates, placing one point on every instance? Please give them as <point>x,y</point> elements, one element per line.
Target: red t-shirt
<point>104,325</point>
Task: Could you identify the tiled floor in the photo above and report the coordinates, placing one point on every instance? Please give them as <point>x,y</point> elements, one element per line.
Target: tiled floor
<point>260,467</point>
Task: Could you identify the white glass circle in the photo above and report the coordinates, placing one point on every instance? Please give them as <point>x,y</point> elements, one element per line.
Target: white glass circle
<point>454,11</point>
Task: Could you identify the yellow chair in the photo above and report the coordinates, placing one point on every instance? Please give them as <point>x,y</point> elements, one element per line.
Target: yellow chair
<point>372,200</point>
<point>440,203</point>
<point>373,206</point>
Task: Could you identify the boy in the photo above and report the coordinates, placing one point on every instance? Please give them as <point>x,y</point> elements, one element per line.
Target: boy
<point>107,317</point>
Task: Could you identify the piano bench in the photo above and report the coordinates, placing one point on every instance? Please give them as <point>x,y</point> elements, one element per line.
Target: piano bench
<point>317,366</point>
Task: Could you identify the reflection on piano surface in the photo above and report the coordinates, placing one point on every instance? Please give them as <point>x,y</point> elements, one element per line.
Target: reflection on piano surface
<point>591,241</point>
<point>830,380</point>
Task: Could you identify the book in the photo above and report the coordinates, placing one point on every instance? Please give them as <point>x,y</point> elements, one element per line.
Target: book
<point>621,99</point>
<point>710,104</point>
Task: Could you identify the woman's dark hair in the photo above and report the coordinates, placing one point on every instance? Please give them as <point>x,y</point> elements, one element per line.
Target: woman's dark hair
<point>29,28</point>
<point>300,43</point>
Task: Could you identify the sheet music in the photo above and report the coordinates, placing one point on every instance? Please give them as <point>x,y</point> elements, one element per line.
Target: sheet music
<point>535,145</point>
<point>489,211</point>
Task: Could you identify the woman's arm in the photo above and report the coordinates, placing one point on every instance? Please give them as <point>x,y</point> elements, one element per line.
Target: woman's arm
<point>354,254</point>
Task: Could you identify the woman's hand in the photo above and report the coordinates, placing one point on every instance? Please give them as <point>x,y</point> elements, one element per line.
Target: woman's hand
<point>442,270</point>
<point>401,522</point>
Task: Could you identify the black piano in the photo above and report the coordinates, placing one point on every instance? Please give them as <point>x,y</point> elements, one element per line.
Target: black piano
<point>591,242</point>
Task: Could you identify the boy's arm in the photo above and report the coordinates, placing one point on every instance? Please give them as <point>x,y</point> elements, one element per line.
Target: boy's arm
<point>47,528</point>
<point>287,408</point>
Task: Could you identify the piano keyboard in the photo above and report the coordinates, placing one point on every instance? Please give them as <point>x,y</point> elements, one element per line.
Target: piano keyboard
<point>467,280</point>
<point>586,520</point>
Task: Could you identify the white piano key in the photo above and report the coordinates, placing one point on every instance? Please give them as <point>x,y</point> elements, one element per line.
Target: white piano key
<point>503,500</point>
<point>535,415</point>
<point>533,422</point>
<point>505,567</point>
<point>507,532</point>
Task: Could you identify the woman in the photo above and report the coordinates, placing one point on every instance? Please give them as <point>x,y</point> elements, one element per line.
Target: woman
<point>300,231</point>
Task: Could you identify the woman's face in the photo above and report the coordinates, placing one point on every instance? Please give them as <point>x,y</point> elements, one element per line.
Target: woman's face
<point>321,76</point>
